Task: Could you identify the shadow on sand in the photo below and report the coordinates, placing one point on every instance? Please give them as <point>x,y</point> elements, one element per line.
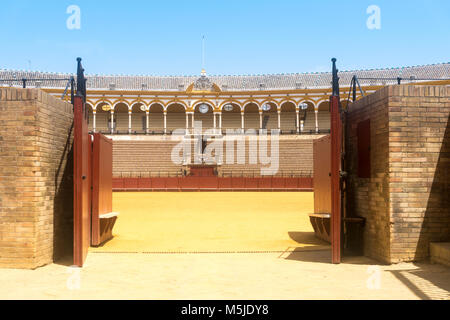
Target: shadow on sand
<point>428,282</point>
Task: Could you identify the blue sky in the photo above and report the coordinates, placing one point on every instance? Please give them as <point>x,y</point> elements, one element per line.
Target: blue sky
<point>243,37</point>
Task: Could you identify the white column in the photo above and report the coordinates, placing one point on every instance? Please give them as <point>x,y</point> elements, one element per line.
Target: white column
<point>298,120</point>
<point>147,120</point>
<point>165,122</point>
<point>94,121</point>
<point>214,121</point>
<point>279,119</point>
<point>260,120</point>
<point>242,120</point>
<point>316,113</point>
<point>193,121</point>
<point>112,121</point>
<point>187,122</point>
<point>220,122</point>
<point>302,126</point>
<point>129,122</point>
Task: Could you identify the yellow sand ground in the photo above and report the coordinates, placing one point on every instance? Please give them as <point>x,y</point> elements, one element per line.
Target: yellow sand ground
<point>212,222</point>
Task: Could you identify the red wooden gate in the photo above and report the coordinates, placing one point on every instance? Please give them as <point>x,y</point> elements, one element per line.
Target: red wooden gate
<point>81,203</point>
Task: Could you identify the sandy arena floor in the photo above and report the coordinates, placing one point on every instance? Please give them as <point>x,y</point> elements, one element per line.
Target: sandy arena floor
<point>157,227</point>
<point>293,276</point>
<point>212,222</point>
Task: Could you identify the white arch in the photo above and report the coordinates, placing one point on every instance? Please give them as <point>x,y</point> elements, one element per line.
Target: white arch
<point>196,104</point>
<point>121,102</point>
<point>130,108</point>
<point>307,100</point>
<point>177,103</point>
<point>251,102</point>
<point>102,102</point>
<point>149,107</point>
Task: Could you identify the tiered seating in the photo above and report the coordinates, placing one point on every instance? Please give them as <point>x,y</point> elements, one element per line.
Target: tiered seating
<point>310,124</point>
<point>295,159</point>
<point>324,120</point>
<point>288,121</point>
<point>231,120</point>
<point>146,158</point>
<point>151,157</point>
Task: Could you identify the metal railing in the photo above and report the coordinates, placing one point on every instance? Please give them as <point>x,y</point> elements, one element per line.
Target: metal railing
<point>256,173</point>
<point>37,83</point>
<point>230,173</point>
<point>169,132</point>
<point>355,84</point>
<point>80,83</point>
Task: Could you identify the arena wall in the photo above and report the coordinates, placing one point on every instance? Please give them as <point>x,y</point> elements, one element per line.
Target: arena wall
<point>36,191</point>
<point>406,197</point>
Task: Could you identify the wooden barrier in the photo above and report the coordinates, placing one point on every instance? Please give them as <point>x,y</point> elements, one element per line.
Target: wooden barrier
<point>322,178</point>
<point>321,218</point>
<point>103,219</point>
<point>208,183</point>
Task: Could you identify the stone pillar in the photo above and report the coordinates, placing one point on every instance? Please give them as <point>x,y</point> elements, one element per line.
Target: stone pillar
<point>112,121</point>
<point>316,113</point>
<point>165,122</point>
<point>147,121</point>
<point>187,122</point>
<point>220,122</point>
<point>279,120</point>
<point>215,122</point>
<point>193,122</point>
<point>243,120</point>
<point>129,121</point>
<point>260,120</point>
<point>94,121</point>
<point>298,120</point>
<point>302,126</point>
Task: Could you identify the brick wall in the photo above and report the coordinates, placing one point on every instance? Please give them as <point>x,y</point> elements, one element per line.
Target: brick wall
<point>369,198</point>
<point>35,178</point>
<point>406,199</point>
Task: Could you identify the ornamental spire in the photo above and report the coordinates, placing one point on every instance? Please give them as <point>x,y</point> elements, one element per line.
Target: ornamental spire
<point>203,58</point>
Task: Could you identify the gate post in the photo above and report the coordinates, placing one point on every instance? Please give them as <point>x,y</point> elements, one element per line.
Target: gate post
<point>81,173</point>
<point>336,153</point>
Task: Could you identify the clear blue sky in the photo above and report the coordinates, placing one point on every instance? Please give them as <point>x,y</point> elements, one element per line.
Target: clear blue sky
<point>243,36</point>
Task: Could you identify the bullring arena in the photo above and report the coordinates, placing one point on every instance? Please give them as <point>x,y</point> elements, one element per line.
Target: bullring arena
<point>316,185</point>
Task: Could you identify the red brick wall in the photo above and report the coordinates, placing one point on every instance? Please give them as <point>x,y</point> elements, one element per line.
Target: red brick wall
<point>35,182</point>
<point>406,200</point>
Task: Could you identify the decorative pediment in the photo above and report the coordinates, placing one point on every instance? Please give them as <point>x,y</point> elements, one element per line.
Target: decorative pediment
<point>203,84</point>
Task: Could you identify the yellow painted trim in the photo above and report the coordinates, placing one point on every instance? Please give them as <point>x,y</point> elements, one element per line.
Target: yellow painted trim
<point>230,101</point>
<point>176,101</point>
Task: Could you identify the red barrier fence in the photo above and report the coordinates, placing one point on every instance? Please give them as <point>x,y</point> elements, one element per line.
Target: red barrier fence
<point>322,175</point>
<point>101,189</point>
<point>213,184</point>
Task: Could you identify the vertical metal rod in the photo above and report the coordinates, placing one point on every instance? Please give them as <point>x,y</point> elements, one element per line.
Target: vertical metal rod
<point>72,90</point>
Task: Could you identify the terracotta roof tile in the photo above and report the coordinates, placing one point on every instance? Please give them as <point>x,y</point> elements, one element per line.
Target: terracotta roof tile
<point>233,83</point>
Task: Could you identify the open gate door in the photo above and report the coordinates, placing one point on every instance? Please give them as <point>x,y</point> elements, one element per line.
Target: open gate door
<point>81,203</point>
<point>336,162</point>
